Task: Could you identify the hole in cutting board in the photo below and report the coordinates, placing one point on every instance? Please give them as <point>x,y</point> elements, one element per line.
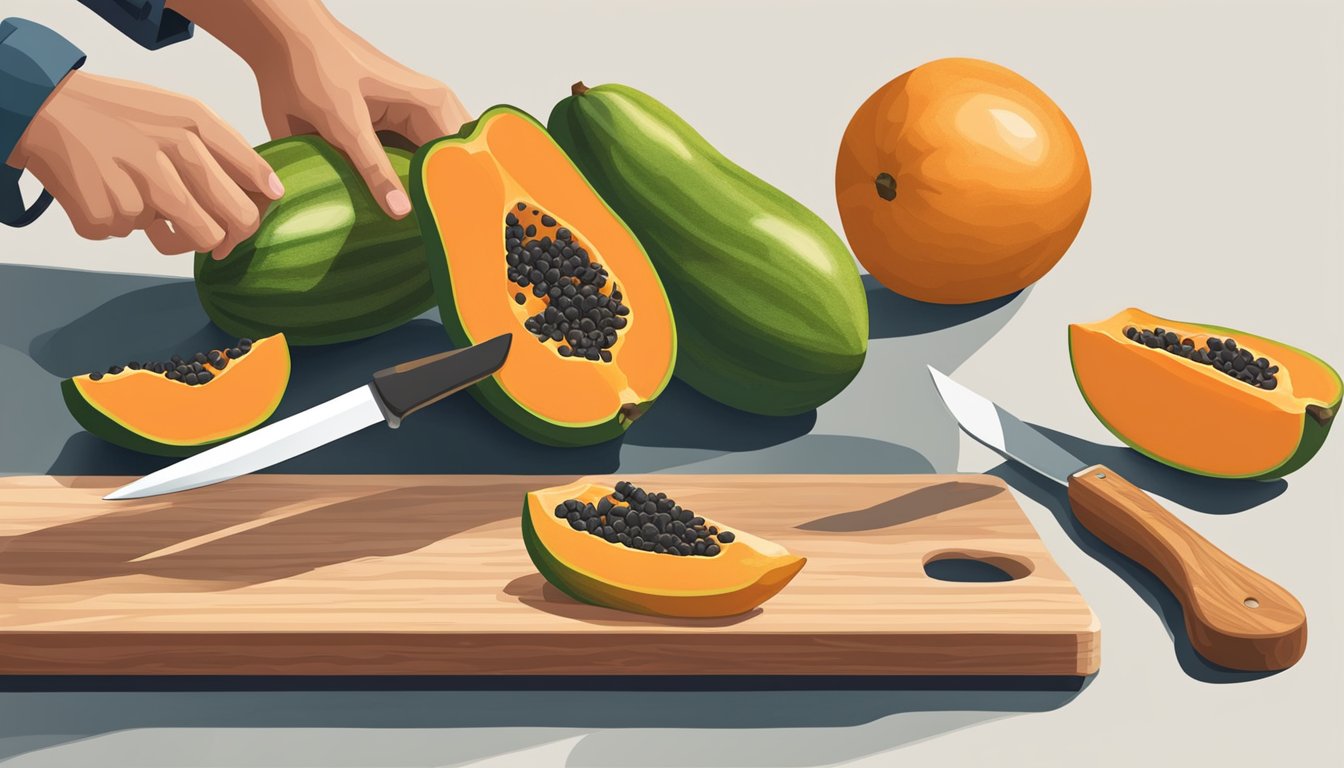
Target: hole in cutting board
<point>975,567</point>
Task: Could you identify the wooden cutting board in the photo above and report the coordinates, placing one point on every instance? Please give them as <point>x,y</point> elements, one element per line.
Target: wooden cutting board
<point>427,575</point>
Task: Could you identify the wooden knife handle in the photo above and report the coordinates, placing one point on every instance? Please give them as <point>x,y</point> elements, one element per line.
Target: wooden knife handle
<point>1235,617</point>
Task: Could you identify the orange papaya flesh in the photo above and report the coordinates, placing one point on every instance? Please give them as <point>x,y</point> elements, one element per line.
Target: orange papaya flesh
<point>146,411</point>
<point>746,572</point>
<point>1195,417</point>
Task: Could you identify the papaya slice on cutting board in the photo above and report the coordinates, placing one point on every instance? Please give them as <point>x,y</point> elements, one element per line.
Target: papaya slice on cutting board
<point>735,574</point>
<point>1197,416</point>
<point>518,242</point>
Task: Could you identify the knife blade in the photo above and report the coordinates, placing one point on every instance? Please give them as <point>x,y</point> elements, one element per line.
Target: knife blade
<point>1234,616</point>
<point>1005,433</point>
<point>392,395</point>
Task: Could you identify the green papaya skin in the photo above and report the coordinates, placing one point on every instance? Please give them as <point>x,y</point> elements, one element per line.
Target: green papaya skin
<point>326,265</point>
<point>771,313</point>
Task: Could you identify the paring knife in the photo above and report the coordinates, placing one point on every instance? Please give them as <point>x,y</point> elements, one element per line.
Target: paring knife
<point>394,394</point>
<point>1235,617</point>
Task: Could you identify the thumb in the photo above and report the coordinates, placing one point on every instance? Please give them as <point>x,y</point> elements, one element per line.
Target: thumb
<point>370,162</point>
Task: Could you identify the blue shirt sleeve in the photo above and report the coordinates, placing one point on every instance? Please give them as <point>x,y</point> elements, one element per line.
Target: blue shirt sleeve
<point>33,61</point>
<point>146,22</point>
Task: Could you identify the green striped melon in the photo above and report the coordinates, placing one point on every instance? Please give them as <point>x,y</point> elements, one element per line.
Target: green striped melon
<point>326,265</point>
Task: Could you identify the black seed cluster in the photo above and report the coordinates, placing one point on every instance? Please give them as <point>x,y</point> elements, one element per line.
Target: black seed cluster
<point>1223,354</point>
<point>649,521</point>
<point>191,370</point>
<point>578,315</point>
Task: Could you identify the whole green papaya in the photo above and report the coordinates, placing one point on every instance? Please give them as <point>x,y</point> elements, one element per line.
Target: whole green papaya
<point>771,313</point>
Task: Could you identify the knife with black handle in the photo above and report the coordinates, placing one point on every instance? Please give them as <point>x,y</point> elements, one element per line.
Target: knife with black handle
<point>392,395</point>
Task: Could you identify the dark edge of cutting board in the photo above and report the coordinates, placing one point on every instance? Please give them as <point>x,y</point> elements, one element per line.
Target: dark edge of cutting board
<point>668,683</point>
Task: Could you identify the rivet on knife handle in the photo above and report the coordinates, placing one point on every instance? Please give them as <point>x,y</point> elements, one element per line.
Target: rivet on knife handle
<point>1235,617</point>
<point>408,387</point>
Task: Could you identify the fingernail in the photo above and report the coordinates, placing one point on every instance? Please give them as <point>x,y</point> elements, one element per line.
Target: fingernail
<point>277,189</point>
<point>398,202</point>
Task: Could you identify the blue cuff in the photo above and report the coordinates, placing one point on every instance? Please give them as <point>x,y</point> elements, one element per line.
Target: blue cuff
<point>33,61</point>
<point>146,22</point>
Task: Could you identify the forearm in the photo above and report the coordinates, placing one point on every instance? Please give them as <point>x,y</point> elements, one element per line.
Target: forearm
<point>258,30</point>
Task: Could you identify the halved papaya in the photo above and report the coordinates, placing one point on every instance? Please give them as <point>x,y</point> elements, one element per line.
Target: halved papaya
<point>1205,399</point>
<point>518,242</point>
<point>180,406</point>
<point>599,545</point>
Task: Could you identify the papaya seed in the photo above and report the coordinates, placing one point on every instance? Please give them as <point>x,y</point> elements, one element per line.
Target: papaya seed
<point>637,519</point>
<point>1222,354</point>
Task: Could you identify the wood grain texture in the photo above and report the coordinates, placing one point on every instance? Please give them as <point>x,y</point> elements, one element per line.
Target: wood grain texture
<point>422,574</point>
<point>1235,616</point>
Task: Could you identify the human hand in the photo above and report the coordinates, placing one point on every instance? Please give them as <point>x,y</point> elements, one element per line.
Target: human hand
<point>120,156</point>
<point>317,76</point>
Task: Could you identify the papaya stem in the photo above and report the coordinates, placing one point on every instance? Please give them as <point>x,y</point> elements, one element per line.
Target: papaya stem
<point>578,89</point>
<point>629,412</point>
<point>886,186</point>
<point>1320,414</point>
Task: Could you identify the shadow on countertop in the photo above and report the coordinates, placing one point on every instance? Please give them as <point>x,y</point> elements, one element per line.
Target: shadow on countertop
<point>891,315</point>
<point>1054,497</point>
<point>40,299</point>
<point>766,722</point>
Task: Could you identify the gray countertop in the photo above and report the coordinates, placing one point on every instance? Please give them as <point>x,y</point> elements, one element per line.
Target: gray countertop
<point>1215,135</point>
